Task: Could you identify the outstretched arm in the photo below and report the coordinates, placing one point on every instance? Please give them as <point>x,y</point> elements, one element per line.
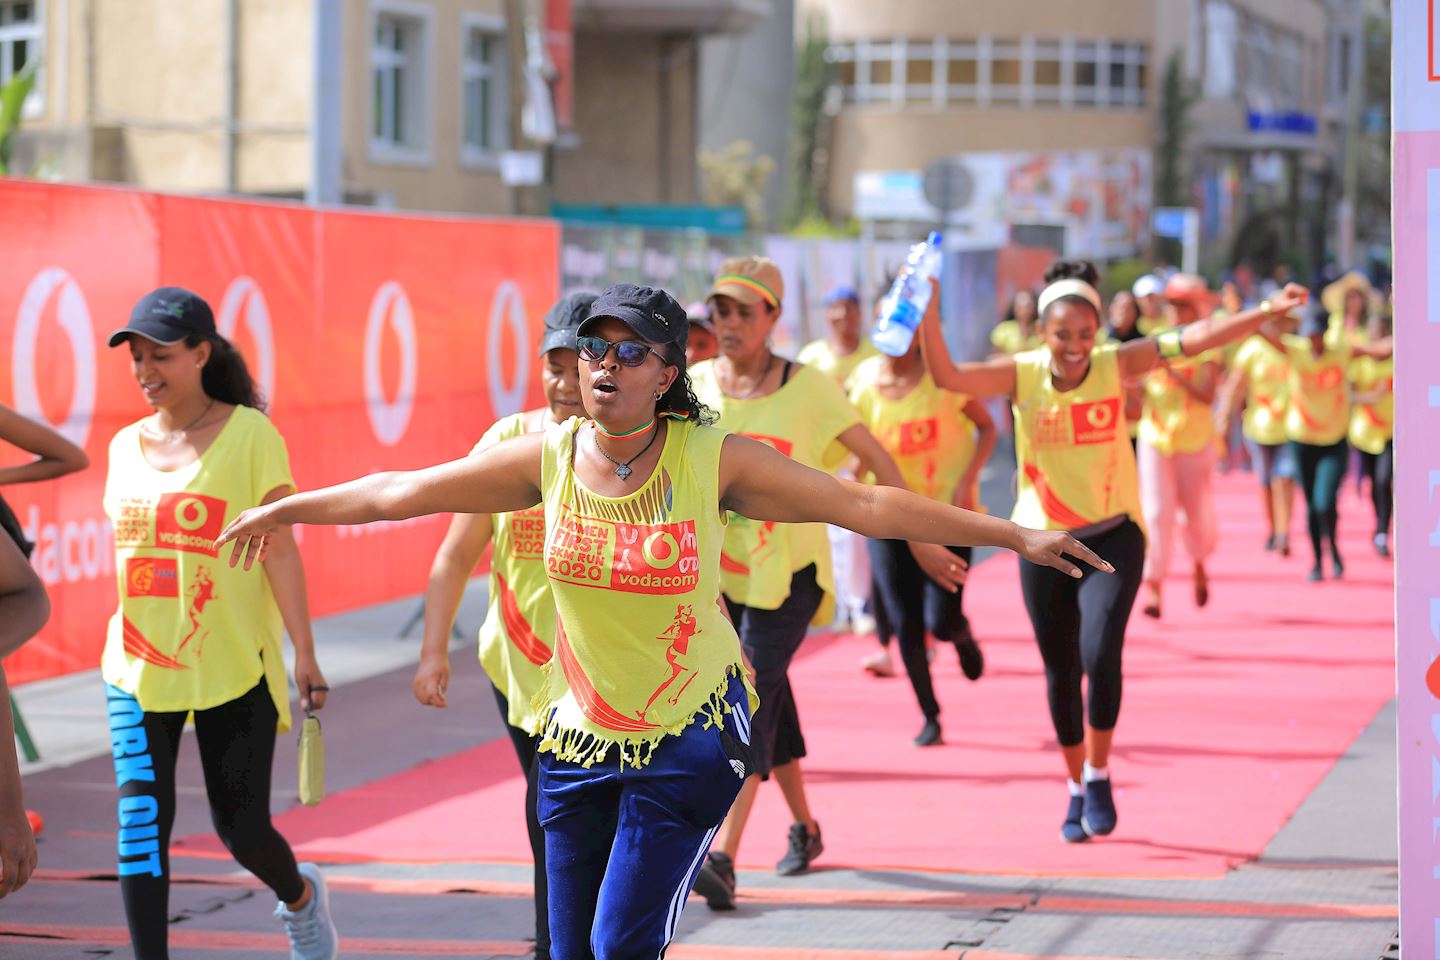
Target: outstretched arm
<point>989,378</point>
<point>503,479</point>
<point>762,484</point>
<point>1140,356</point>
<point>55,456</point>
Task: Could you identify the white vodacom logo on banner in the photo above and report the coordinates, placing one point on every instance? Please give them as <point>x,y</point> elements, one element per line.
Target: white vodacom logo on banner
<point>244,300</point>
<point>390,418</point>
<point>74,317</point>
<point>508,307</point>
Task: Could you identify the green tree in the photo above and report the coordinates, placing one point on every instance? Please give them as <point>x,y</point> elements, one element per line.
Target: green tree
<point>1171,176</point>
<point>736,176</point>
<point>809,125</point>
<point>12,105</point>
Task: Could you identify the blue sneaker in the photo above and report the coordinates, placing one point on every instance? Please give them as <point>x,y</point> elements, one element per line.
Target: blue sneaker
<point>1073,829</point>
<point>1099,816</point>
<point>311,931</point>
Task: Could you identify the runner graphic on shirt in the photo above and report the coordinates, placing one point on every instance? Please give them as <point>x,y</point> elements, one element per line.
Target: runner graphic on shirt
<point>201,591</point>
<point>681,630</point>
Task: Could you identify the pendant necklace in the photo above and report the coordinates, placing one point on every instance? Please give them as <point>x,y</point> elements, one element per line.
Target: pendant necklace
<point>622,469</point>
<point>173,435</point>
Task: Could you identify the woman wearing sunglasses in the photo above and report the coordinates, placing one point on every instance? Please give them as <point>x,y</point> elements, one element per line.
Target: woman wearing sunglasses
<point>645,704</point>
<point>518,635</point>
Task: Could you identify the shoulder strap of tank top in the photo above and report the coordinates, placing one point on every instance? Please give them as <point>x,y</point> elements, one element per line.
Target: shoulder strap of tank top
<point>785,374</point>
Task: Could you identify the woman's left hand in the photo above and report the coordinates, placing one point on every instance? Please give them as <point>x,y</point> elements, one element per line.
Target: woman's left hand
<point>251,532</point>
<point>1050,547</point>
<point>310,682</point>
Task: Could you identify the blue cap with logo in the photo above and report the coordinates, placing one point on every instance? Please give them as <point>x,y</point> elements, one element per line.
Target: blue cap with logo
<point>168,315</point>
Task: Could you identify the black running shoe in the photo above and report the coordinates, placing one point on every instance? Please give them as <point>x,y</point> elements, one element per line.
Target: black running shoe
<point>972,661</point>
<point>929,736</point>
<point>1099,816</point>
<point>804,848</point>
<point>1073,829</point>
<point>1337,566</point>
<point>1316,574</point>
<point>1271,543</point>
<point>716,881</point>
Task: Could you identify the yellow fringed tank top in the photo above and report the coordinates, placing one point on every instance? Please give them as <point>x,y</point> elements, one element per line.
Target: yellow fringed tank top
<point>641,645</point>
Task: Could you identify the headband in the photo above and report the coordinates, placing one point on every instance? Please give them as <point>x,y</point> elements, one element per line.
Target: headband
<point>1071,287</point>
<point>750,282</point>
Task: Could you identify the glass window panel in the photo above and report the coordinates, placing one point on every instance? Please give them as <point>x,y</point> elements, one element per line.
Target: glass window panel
<point>880,72</point>
<point>846,73</point>
<point>1005,72</point>
<point>1047,73</point>
<point>1085,75</point>
<point>963,72</point>
<point>919,71</point>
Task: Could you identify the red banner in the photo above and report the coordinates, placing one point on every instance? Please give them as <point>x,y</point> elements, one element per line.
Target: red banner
<point>382,342</point>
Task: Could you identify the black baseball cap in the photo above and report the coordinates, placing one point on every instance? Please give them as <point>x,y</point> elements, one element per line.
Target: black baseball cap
<point>168,315</point>
<point>651,313</point>
<point>562,322</point>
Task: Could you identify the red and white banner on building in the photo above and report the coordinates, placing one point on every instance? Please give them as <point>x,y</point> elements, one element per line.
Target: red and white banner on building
<point>1416,117</point>
<point>382,342</point>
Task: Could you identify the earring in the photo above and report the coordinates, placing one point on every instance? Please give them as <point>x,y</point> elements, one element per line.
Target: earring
<point>658,396</point>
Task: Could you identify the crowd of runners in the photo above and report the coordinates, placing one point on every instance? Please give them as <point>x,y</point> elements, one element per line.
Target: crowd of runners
<point>661,551</point>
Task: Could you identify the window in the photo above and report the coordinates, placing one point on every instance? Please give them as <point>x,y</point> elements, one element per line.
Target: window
<point>1048,71</point>
<point>400,78</point>
<point>1221,39</point>
<point>21,39</point>
<point>1257,64</point>
<point>1289,72</point>
<point>484,103</point>
<point>1087,73</point>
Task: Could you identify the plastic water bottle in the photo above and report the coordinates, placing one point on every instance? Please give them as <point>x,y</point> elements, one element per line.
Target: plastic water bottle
<point>904,306</point>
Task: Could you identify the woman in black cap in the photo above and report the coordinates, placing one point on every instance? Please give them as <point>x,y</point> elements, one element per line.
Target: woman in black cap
<point>191,637</point>
<point>1318,421</point>
<point>518,635</point>
<point>645,704</point>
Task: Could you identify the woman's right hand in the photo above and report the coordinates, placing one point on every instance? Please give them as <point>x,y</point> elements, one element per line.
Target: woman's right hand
<point>1050,547</point>
<point>431,679</point>
<point>251,532</point>
<point>17,848</point>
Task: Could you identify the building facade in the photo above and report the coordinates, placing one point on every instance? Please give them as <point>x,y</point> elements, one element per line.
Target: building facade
<point>1054,114</point>
<point>218,95</point>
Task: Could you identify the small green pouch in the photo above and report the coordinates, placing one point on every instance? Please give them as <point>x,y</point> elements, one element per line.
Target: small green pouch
<point>312,761</point>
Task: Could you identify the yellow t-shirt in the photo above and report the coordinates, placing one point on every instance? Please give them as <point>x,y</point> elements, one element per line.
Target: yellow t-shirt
<point>1174,422</point>
<point>926,432</point>
<point>1077,467</point>
<point>1267,390</point>
<point>1336,332</point>
<point>821,356</point>
<point>802,420</point>
<point>190,632</point>
<point>518,635</point>
<point>1372,425</point>
<point>1319,411</point>
<point>1007,338</point>
<point>642,646</point>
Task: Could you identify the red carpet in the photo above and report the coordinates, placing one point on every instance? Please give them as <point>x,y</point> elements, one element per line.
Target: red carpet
<point>1232,715</point>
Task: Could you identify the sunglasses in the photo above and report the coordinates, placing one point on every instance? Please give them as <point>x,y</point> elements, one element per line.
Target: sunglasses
<point>630,353</point>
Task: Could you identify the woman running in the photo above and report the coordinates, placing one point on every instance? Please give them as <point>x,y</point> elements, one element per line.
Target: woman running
<point>940,441</point>
<point>518,636</point>
<point>777,580</point>
<point>1017,331</point>
<point>1077,473</point>
<point>1260,378</point>
<point>645,704</point>
<point>1372,429</point>
<point>191,635</point>
<point>1349,302</point>
<point>1318,421</point>
<point>1176,452</point>
<point>24,608</point>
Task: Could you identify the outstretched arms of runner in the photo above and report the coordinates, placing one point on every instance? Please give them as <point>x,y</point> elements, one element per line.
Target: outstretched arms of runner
<point>762,484</point>
<point>1139,356</point>
<point>505,478</point>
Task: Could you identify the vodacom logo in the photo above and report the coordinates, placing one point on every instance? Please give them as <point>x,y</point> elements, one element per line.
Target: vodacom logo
<point>390,418</point>
<point>74,318</point>
<point>507,308</point>
<point>244,300</point>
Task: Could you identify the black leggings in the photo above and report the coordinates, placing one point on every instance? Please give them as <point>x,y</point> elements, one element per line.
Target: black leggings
<point>524,745</point>
<point>1380,469</point>
<point>770,639</point>
<point>1080,628</point>
<point>237,746</point>
<point>1322,469</point>
<point>913,603</point>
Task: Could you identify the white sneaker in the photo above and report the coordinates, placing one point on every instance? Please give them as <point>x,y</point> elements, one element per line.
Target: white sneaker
<point>878,664</point>
<point>310,929</point>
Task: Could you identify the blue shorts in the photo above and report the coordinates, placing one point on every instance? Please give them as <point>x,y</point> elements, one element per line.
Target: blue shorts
<point>1271,461</point>
<point>623,846</point>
